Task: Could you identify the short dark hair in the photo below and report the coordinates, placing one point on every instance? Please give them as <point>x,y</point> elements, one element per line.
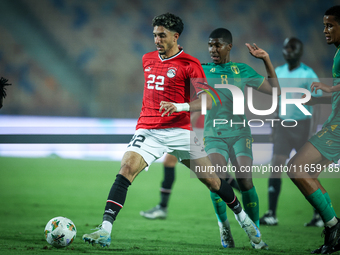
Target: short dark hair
<point>295,40</point>
<point>334,11</point>
<point>222,33</point>
<point>169,21</point>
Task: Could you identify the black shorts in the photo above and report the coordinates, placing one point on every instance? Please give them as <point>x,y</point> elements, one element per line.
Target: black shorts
<point>285,139</point>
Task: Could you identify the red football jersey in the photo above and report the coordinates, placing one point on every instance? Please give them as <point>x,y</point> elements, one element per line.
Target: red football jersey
<point>175,79</point>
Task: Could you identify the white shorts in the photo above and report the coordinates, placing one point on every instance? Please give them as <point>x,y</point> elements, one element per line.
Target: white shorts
<point>151,144</point>
<point>199,133</point>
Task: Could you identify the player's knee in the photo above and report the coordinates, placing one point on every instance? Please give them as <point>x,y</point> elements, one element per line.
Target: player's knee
<point>128,172</point>
<point>170,161</point>
<point>213,184</point>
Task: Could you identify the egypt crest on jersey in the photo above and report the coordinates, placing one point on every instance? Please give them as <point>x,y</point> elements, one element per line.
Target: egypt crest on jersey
<point>173,80</point>
<point>171,72</point>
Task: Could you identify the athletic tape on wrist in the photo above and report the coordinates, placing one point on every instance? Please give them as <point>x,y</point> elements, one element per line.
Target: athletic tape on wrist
<point>185,107</point>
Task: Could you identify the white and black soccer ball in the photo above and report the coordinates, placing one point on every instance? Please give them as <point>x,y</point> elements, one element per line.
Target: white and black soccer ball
<point>60,232</point>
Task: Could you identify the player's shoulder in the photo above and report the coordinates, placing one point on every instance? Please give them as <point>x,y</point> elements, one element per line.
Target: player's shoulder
<point>150,55</point>
<point>240,65</point>
<point>307,71</point>
<point>305,67</point>
<point>189,58</point>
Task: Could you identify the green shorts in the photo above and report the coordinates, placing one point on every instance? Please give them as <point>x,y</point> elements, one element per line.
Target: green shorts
<point>327,142</point>
<point>231,147</point>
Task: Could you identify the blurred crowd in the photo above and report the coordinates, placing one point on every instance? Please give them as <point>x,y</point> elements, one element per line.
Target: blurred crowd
<point>83,57</point>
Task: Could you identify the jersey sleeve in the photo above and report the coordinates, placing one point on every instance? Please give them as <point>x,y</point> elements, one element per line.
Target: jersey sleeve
<point>253,79</point>
<point>198,78</point>
<point>143,60</point>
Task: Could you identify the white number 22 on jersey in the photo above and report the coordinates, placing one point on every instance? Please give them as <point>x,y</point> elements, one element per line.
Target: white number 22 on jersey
<point>158,81</point>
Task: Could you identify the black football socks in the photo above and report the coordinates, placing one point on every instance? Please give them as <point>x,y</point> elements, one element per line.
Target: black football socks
<point>169,178</point>
<point>274,188</point>
<point>226,192</point>
<point>116,198</point>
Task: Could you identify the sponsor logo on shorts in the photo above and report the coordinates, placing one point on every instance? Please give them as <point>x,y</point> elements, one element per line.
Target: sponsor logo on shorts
<point>196,141</point>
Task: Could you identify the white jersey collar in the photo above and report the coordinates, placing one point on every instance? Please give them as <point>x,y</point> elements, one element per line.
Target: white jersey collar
<point>172,57</point>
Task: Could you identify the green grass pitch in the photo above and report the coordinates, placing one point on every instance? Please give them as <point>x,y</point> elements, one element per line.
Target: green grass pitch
<point>32,191</point>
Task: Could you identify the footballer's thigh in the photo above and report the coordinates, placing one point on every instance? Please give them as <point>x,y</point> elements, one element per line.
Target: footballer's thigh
<point>217,159</point>
<point>131,165</point>
<point>241,156</point>
<point>144,148</point>
<point>218,153</point>
<point>220,163</point>
<point>306,156</point>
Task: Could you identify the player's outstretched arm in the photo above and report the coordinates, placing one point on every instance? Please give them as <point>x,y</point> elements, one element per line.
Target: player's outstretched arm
<point>196,105</point>
<point>318,100</point>
<point>325,88</point>
<point>272,81</point>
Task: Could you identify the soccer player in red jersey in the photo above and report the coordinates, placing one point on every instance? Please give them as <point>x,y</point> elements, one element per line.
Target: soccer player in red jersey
<point>164,127</point>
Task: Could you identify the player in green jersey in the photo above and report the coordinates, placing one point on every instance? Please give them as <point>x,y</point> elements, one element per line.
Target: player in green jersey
<point>296,74</point>
<point>232,139</point>
<point>324,147</point>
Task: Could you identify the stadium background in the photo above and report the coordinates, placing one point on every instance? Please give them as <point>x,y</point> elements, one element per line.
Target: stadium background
<point>83,57</point>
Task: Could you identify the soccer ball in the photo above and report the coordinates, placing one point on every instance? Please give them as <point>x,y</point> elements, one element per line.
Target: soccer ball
<point>60,232</point>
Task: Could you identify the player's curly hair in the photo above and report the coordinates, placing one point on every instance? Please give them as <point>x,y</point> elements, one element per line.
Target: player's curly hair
<point>334,11</point>
<point>3,83</point>
<point>222,33</point>
<point>169,21</point>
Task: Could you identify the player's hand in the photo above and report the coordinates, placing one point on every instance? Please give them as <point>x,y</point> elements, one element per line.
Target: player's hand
<point>256,52</point>
<point>167,107</point>
<point>318,85</point>
<point>180,47</point>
